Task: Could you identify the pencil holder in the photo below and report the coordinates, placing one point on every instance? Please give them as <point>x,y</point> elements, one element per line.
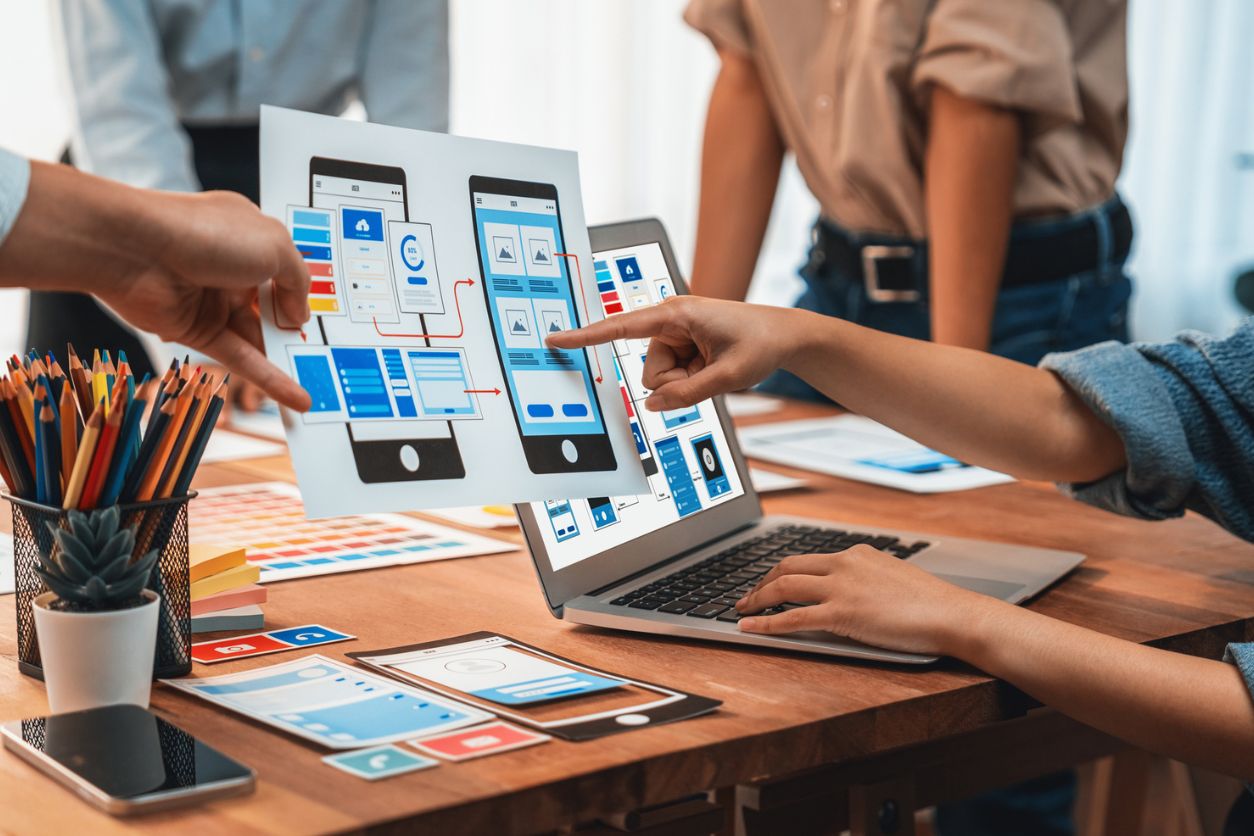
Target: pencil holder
<point>160,525</point>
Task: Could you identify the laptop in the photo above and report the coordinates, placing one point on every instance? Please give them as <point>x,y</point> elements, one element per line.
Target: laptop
<point>673,562</point>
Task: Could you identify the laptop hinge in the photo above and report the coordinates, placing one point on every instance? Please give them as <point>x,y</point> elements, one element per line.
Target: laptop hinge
<point>653,568</point>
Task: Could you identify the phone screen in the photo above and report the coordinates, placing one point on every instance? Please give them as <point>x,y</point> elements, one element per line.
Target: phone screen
<point>126,753</point>
<point>362,208</point>
<point>530,294</point>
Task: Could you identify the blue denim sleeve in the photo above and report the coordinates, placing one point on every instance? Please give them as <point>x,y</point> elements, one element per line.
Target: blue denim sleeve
<point>1182,409</point>
<point>1242,655</point>
<point>14,181</point>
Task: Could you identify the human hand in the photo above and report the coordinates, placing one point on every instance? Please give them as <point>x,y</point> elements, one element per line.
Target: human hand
<point>198,284</point>
<point>698,347</point>
<point>868,596</point>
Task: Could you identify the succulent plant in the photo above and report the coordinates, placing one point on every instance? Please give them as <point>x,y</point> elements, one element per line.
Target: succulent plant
<point>90,566</point>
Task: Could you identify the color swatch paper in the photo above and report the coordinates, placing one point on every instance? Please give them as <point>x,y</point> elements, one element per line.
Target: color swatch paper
<point>268,520</point>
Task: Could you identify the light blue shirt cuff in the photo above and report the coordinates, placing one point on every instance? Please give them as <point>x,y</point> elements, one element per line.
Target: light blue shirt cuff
<point>14,181</point>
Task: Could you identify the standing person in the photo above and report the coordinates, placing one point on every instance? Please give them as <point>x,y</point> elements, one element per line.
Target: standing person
<point>963,153</point>
<point>167,95</point>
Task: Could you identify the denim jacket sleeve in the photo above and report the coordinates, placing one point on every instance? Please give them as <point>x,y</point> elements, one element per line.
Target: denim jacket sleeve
<point>1185,412</point>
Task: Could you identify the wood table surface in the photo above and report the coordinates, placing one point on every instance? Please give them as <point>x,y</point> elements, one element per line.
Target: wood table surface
<point>1182,584</point>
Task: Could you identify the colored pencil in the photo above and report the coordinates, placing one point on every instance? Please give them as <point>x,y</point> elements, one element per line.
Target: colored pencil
<point>126,445</point>
<point>86,450</point>
<point>201,441</point>
<point>15,458</point>
<point>147,451</point>
<point>148,487</point>
<point>187,433</point>
<point>101,458</point>
<point>69,434</point>
<point>25,441</point>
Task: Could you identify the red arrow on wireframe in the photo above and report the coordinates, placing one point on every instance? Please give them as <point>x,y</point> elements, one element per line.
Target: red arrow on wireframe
<point>584,293</point>
<point>482,391</point>
<point>461,324</point>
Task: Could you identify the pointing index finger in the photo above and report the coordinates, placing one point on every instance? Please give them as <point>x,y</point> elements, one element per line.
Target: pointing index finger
<point>640,324</point>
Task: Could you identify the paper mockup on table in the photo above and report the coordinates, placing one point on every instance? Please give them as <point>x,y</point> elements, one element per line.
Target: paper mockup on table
<point>488,739</point>
<point>506,676</point>
<point>854,447</point>
<point>745,404</point>
<point>479,516</point>
<point>768,481</point>
<point>226,446</point>
<point>333,704</point>
<point>439,266</point>
<point>379,762</point>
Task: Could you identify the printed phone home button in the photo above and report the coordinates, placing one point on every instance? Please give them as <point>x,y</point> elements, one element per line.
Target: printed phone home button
<point>569,451</point>
<point>409,458</point>
<point>632,719</point>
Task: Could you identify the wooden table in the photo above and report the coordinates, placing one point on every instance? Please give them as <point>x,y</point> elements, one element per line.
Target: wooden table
<point>866,733</point>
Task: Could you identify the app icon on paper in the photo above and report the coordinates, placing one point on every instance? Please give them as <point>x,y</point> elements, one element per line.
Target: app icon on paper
<point>308,636</point>
<point>379,762</point>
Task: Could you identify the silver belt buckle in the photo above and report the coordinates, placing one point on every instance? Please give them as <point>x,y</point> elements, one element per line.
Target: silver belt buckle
<point>871,255</point>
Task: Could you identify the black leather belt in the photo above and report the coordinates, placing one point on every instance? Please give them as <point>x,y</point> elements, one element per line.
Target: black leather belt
<point>896,269</point>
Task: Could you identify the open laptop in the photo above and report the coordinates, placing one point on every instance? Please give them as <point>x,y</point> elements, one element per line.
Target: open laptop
<point>673,561</point>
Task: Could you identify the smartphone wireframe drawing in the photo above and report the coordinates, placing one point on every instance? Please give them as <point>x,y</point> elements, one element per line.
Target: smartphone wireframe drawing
<point>364,198</point>
<point>529,291</point>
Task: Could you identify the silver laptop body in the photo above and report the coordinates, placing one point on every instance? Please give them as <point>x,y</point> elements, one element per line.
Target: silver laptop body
<point>583,592</point>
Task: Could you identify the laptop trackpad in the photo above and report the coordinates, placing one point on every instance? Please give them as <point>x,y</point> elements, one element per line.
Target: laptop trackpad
<point>995,589</point>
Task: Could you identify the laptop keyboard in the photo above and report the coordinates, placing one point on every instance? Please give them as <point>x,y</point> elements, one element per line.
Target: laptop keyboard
<point>711,588</point>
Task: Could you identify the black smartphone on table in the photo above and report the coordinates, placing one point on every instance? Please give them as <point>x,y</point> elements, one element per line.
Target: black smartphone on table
<point>125,760</point>
<point>364,197</point>
<point>529,291</point>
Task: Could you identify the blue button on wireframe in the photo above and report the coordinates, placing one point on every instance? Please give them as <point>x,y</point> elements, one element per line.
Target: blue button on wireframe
<point>540,410</point>
<point>418,280</point>
<point>575,410</point>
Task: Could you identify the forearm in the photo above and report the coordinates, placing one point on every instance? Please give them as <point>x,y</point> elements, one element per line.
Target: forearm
<point>971,161</point>
<point>974,406</point>
<point>1191,709</point>
<point>740,164</point>
<point>79,232</point>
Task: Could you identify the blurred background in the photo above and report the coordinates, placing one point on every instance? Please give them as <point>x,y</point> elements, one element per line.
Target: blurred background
<point>625,82</point>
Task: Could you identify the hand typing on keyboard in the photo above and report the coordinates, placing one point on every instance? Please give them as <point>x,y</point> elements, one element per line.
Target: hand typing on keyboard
<point>864,594</point>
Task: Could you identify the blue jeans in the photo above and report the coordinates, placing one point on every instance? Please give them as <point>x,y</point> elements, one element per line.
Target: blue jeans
<point>1029,321</point>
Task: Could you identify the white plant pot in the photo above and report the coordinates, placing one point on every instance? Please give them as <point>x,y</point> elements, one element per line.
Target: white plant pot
<point>92,659</point>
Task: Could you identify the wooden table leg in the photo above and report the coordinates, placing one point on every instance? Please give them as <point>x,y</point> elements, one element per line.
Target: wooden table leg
<point>883,809</point>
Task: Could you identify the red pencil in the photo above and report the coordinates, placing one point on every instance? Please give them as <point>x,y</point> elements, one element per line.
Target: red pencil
<point>104,454</point>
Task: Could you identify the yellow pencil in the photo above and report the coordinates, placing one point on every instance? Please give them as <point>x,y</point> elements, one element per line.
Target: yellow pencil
<point>86,450</point>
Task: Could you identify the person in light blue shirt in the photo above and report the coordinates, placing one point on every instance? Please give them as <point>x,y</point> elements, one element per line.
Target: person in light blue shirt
<point>167,93</point>
<point>184,266</point>
<point>1149,430</point>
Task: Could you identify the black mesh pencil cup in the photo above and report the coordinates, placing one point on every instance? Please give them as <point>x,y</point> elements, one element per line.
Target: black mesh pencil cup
<point>162,525</point>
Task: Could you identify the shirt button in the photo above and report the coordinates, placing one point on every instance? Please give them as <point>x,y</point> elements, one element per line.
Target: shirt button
<point>823,102</point>
<point>256,53</point>
<point>837,6</point>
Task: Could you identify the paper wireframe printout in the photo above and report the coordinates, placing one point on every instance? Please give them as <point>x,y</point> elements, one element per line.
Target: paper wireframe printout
<point>439,265</point>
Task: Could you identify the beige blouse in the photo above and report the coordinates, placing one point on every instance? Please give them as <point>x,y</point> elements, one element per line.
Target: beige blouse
<point>848,82</point>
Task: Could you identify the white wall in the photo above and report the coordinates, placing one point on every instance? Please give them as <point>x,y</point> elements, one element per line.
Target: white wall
<point>624,83</point>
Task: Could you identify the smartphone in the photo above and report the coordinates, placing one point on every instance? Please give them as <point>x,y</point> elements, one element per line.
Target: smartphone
<point>364,197</point>
<point>527,285</point>
<point>125,760</point>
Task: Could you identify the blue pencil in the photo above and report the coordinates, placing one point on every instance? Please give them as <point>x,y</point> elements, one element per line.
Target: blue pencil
<point>51,453</point>
<point>128,440</point>
<point>41,468</point>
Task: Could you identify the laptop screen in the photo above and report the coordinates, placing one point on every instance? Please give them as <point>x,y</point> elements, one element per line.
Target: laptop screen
<point>684,452</point>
